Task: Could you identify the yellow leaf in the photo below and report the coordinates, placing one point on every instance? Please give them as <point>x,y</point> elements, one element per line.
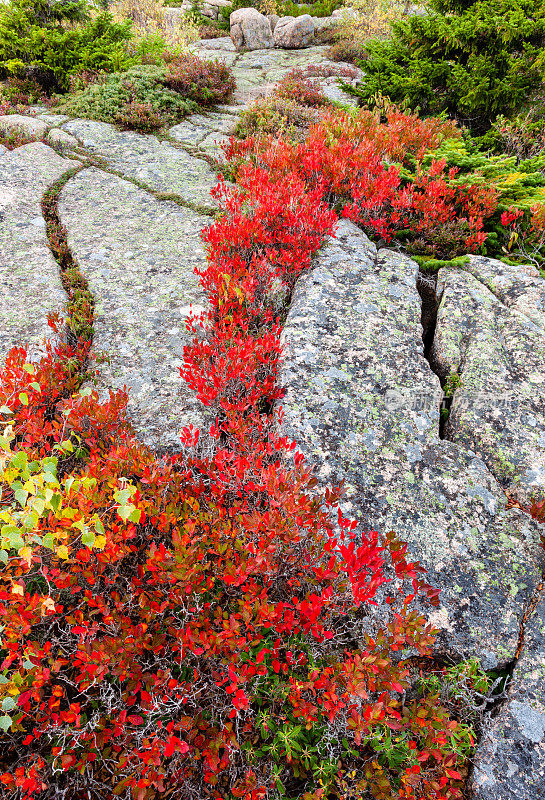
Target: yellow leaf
<point>17,589</point>
<point>26,553</point>
<point>62,552</point>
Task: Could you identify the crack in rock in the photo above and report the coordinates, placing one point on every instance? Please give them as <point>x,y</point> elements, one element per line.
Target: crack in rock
<point>157,164</point>
<point>363,404</point>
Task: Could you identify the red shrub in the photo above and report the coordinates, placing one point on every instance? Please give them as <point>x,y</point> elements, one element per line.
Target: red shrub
<point>205,82</point>
<point>195,627</point>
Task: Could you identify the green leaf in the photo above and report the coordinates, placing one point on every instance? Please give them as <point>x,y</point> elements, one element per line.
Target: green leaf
<point>8,704</point>
<point>88,538</point>
<point>5,722</point>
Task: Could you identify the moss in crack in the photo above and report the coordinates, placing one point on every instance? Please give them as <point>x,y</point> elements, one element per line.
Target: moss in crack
<point>80,299</point>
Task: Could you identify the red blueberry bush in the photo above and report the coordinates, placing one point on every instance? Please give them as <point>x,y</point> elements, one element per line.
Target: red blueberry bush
<point>197,627</point>
<point>369,167</point>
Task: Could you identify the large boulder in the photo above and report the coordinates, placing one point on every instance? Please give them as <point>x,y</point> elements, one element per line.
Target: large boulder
<point>363,405</point>
<point>250,29</point>
<point>294,32</point>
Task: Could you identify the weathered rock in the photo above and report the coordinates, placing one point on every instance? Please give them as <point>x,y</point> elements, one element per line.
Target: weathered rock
<point>31,284</point>
<point>3,150</point>
<point>510,759</point>
<point>206,132</point>
<point>332,90</point>
<point>53,120</point>
<point>273,19</point>
<point>520,288</point>
<point>57,136</point>
<point>158,165</point>
<point>139,256</point>
<point>294,32</point>
<point>256,72</point>
<point>363,405</point>
<point>29,126</point>
<point>493,351</point>
<point>250,29</point>
<point>212,8</point>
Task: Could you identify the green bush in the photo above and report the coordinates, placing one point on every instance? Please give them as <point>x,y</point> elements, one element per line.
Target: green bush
<point>147,96</point>
<point>48,40</point>
<point>126,98</point>
<point>474,59</point>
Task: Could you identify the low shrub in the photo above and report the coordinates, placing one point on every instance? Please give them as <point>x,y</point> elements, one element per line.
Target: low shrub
<point>519,183</point>
<point>474,59</point>
<point>522,137</point>
<point>137,95</point>
<point>299,88</point>
<point>15,138</point>
<point>353,156</point>
<point>202,626</point>
<point>278,117</point>
<point>148,97</point>
<point>348,50</point>
<point>48,40</point>
<point>204,82</point>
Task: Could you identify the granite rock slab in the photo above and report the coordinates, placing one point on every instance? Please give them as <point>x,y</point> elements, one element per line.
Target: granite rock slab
<point>31,284</point>
<point>510,759</point>
<point>496,349</point>
<point>29,126</point>
<point>139,256</point>
<point>363,404</point>
<point>158,165</point>
<point>205,132</point>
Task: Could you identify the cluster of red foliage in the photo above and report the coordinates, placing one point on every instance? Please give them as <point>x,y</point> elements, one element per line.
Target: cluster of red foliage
<point>361,164</point>
<point>197,627</point>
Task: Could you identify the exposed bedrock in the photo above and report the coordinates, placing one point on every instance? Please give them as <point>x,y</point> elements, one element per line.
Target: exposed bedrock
<point>490,340</point>
<point>31,287</point>
<point>363,404</point>
<point>139,256</point>
<point>157,164</point>
<point>510,759</point>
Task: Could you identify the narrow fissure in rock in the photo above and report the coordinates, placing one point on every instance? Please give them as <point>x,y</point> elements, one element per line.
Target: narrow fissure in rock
<point>426,286</point>
<point>80,299</point>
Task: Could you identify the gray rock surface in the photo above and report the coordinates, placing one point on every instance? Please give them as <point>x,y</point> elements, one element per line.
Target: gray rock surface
<point>363,405</point>
<point>205,132</point>
<point>250,29</point>
<point>510,759</point>
<point>30,282</point>
<point>139,256</point>
<point>62,138</point>
<point>294,33</point>
<point>156,164</point>
<point>30,126</point>
<point>496,348</point>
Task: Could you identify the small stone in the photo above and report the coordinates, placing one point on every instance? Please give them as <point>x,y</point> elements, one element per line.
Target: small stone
<point>294,33</point>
